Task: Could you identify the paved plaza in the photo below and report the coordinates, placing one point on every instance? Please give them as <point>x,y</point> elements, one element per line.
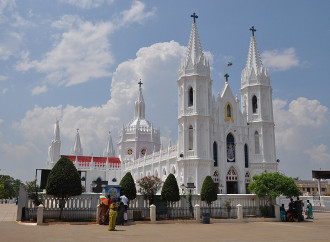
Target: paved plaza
<point>315,230</point>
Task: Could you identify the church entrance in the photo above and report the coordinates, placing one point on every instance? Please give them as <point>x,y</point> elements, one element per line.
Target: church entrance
<point>231,178</point>
<point>232,187</point>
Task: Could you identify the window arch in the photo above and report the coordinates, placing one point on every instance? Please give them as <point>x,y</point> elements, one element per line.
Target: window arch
<point>254,104</point>
<point>231,174</point>
<point>156,173</point>
<point>256,143</point>
<point>246,156</point>
<point>191,97</point>
<point>191,138</point>
<point>229,115</point>
<point>230,148</point>
<point>215,153</point>
<point>228,111</point>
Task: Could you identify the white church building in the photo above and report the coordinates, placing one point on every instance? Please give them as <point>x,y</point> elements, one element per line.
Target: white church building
<point>217,136</point>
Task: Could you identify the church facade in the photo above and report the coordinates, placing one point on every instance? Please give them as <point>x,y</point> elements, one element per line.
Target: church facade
<point>217,136</point>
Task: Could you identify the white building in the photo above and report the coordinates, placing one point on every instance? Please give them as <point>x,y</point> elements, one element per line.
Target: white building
<point>216,136</point>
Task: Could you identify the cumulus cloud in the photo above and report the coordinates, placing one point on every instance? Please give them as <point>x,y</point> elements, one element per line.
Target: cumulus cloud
<point>157,67</point>
<point>136,13</point>
<point>280,60</point>
<point>2,78</point>
<point>301,132</point>
<point>82,54</point>
<point>87,4</point>
<point>9,44</point>
<point>39,89</point>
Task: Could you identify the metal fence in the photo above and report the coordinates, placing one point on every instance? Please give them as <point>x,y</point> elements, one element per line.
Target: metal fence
<point>70,215</point>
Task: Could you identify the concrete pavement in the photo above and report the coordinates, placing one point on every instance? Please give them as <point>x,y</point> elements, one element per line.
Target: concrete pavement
<point>313,230</point>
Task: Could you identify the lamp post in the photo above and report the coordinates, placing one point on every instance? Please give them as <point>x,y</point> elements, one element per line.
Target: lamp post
<point>182,186</point>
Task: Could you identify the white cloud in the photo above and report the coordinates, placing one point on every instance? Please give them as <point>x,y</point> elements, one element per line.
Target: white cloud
<point>1,121</point>
<point>4,91</point>
<point>86,4</point>
<point>280,60</point>
<point>67,22</point>
<point>9,44</point>
<point>19,21</point>
<point>156,65</point>
<point>302,135</point>
<point>39,89</point>
<point>319,154</point>
<point>82,54</point>
<point>135,14</point>
<point>2,78</point>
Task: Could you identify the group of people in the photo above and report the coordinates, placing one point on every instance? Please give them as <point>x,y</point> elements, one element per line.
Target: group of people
<point>113,211</point>
<point>295,211</point>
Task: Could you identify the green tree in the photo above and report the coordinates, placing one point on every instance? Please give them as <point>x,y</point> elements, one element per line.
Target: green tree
<point>271,185</point>
<point>209,191</point>
<point>33,190</point>
<point>63,182</point>
<point>170,190</point>
<point>10,186</point>
<point>127,186</point>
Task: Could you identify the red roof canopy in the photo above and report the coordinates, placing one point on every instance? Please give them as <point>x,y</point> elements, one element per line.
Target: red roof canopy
<point>80,158</point>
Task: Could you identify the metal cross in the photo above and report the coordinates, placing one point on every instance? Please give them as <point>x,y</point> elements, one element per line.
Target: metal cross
<point>140,83</point>
<point>226,76</point>
<point>194,16</point>
<point>252,29</point>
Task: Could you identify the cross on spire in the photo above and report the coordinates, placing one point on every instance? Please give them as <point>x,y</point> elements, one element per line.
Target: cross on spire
<point>252,29</point>
<point>140,83</point>
<point>194,15</point>
<point>226,76</point>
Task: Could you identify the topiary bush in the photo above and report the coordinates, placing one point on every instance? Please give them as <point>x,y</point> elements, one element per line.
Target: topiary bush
<point>127,186</point>
<point>63,182</point>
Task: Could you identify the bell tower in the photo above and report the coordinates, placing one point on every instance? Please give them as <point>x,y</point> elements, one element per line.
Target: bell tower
<point>257,106</point>
<point>194,113</point>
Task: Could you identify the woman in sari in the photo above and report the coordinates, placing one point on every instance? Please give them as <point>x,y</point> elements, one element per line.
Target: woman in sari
<point>112,216</point>
<point>309,210</point>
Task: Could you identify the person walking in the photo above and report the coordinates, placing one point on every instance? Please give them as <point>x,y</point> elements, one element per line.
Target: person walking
<point>309,210</point>
<point>112,216</point>
<point>124,200</point>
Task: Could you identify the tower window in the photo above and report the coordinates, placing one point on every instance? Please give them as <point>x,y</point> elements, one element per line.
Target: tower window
<point>191,137</point>
<point>254,104</point>
<point>256,143</point>
<point>191,97</point>
<point>230,148</point>
<point>246,156</point>
<point>215,153</point>
<point>228,111</point>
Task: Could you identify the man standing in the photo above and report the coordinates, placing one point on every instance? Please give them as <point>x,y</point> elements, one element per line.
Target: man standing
<point>124,200</point>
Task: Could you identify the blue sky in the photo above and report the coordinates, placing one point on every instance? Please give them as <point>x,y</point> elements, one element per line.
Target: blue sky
<point>80,61</point>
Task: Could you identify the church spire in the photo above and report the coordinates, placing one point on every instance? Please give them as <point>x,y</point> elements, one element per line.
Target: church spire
<point>254,71</point>
<point>139,104</point>
<point>254,60</point>
<point>194,61</point>
<point>109,151</point>
<point>77,149</point>
<point>56,136</point>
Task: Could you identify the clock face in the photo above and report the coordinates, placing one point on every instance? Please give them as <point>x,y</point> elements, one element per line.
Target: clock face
<point>129,151</point>
<point>143,151</point>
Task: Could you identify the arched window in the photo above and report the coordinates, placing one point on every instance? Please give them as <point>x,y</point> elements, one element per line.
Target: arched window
<point>254,104</point>
<point>246,156</point>
<point>215,153</point>
<point>256,143</point>
<point>230,148</point>
<point>190,97</point>
<point>228,111</point>
<point>231,175</point>
<point>191,138</point>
